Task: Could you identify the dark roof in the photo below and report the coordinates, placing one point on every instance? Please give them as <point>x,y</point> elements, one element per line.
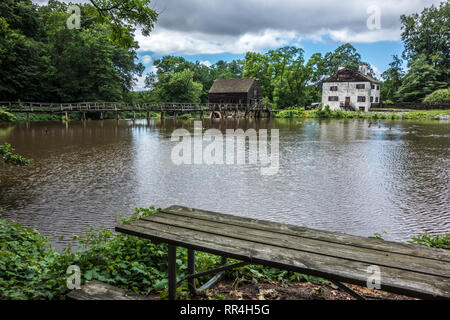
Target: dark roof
<point>232,85</point>
<point>350,75</point>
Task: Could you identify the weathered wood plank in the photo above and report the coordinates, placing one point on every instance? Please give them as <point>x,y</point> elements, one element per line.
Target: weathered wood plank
<point>394,280</point>
<point>332,237</point>
<point>96,290</point>
<point>372,256</point>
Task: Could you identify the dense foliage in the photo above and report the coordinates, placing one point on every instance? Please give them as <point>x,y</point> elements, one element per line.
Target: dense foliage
<point>31,269</point>
<point>438,96</point>
<point>427,46</point>
<point>6,116</point>
<point>43,60</point>
<point>9,156</point>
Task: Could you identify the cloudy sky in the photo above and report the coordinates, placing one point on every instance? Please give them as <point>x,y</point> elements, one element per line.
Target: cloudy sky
<point>211,30</point>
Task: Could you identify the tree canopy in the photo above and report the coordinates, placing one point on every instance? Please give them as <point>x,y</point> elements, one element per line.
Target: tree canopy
<point>43,60</point>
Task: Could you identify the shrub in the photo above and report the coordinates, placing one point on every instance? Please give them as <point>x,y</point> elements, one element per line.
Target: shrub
<point>6,116</point>
<point>8,155</point>
<point>291,113</point>
<point>440,241</point>
<point>438,96</point>
<point>185,116</point>
<point>31,269</point>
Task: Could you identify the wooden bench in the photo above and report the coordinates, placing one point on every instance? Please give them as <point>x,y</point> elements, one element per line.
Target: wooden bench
<point>404,269</point>
<point>96,290</point>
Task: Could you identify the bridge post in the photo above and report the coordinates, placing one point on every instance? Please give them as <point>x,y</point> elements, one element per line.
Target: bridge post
<point>28,117</point>
<point>117,115</point>
<point>66,116</point>
<point>162,115</point>
<point>101,115</point>
<point>134,116</point>
<point>84,116</point>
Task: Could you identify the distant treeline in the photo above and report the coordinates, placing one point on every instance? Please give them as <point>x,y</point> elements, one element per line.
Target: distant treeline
<point>42,60</point>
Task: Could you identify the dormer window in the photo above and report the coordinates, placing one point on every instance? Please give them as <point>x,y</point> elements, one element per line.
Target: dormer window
<point>360,86</point>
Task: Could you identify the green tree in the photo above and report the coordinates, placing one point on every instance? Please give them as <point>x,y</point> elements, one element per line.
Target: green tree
<point>42,60</point>
<point>345,55</point>
<point>438,96</point>
<point>422,79</point>
<point>427,50</point>
<point>123,16</point>
<point>392,80</point>
<point>178,87</point>
<point>428,35</point>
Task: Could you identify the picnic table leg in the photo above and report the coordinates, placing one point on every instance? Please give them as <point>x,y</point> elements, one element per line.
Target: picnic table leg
<point>172,272</point>
<point>191,271</point>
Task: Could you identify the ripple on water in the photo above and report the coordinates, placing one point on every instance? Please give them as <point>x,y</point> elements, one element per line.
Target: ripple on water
<point>334,175</point>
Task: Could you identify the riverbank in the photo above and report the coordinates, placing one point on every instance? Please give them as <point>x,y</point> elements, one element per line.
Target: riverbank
<point>326,113</point>
<point>30,268</point>
<point>297,113</point>
<point>42,117</point>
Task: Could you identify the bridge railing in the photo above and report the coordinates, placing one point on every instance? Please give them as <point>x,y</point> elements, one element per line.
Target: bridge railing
<point>18,106</point>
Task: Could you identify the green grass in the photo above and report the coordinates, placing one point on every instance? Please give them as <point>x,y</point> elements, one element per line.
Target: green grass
<point>395,114</point>
<point>38,117</point>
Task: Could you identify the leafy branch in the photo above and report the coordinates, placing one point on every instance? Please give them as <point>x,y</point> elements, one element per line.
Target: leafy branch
<point>8,155</point>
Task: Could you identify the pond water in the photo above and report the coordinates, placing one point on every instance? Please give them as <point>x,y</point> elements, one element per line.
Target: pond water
<point>337,175</point>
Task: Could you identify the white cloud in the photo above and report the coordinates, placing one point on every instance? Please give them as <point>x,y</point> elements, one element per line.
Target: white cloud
<point>368,36</point>
<point>146,59</point>
<point>140,83</point>
<point>376,71</point>
<point>206,63</point>
<point>164,41</point>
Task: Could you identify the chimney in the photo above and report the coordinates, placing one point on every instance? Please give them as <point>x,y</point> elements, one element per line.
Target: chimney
<point>363,69</point>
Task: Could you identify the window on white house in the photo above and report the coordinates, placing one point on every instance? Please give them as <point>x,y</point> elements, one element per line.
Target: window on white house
<point>360,86</point>
<point>333,98</point>
<point>376,99</point>
<point>371,99</point>
<point>333,88</point>
<point>361,99</point>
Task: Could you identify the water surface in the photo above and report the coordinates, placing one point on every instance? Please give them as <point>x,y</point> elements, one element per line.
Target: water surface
<point>337,175</point>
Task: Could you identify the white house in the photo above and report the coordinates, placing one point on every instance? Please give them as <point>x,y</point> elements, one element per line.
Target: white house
<point>349,89</point>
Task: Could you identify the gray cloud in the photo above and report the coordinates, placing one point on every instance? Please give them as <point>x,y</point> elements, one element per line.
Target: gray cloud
<point>237,26</point>
<point>237,17</point>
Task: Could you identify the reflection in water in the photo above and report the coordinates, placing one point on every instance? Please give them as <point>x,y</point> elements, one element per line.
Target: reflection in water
<point>339,175</point>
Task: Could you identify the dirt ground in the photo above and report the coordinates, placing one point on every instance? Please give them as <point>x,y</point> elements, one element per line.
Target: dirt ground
<point>267,290</point>
<point>272,290</point>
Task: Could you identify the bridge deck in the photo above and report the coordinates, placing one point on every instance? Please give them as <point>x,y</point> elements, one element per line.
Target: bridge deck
<point>40,107</point>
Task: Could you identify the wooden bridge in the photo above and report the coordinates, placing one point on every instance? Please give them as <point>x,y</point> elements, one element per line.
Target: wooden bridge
<point>212,110</point>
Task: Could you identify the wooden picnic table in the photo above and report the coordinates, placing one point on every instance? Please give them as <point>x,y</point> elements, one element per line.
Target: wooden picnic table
<point>404,268</point>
